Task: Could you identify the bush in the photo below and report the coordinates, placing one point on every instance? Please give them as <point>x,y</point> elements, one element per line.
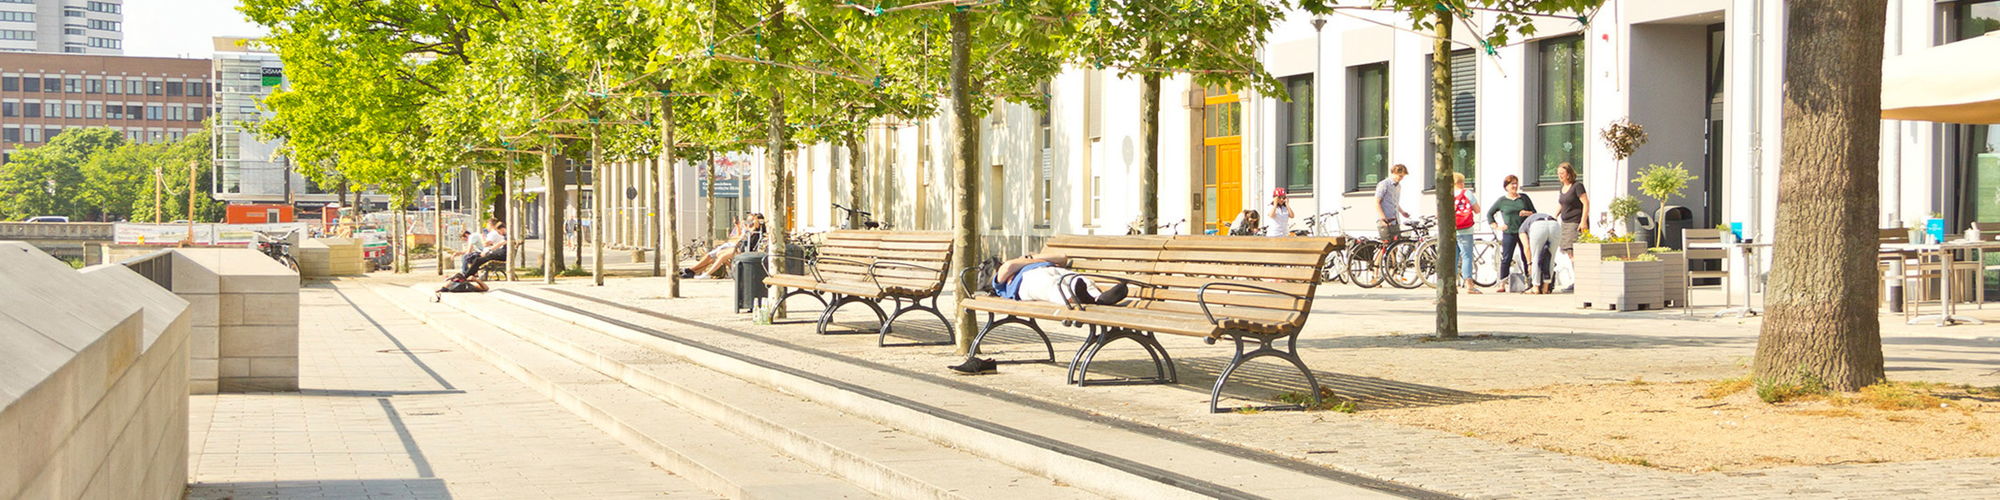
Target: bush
<point>1802,386</point>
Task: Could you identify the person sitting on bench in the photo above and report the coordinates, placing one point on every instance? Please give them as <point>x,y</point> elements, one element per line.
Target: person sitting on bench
<point>493,249</point>
<point>1043,276</point>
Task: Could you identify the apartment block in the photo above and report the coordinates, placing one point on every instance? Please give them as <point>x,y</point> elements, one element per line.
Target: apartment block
<point>149,99</point>
<point>63,26</point>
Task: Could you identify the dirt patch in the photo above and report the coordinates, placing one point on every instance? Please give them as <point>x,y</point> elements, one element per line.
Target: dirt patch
<point>1682,426</point>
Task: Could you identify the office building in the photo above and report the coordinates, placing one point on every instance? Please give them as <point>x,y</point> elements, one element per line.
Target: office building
<point>149,99</point>
<point>63,26</point>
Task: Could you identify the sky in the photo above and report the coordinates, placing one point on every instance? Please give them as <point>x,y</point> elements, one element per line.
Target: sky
<point>182,28</point>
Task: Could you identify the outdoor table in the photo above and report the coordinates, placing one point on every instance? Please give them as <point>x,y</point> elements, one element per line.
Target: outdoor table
<point>1744,252</point>
<point>1946,313</point>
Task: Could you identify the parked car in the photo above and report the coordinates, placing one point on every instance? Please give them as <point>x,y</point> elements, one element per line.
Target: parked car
<point>49,218</point>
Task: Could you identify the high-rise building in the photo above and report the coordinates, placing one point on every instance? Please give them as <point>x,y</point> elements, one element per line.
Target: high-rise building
<point>63,26</point>
<point>149,99</point>
<point>247,168</point>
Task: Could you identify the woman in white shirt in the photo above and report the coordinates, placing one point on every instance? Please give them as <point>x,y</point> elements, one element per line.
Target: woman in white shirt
<point>1281,214</point>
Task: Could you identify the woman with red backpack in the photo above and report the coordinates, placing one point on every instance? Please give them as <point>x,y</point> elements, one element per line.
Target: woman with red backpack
<point>1465,208</point>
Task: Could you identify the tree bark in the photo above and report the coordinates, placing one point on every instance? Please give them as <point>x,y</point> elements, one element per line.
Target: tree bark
<point>855,181</point>
<point>437,225</point>
<point>1441,135</point>
<point>1149,138</point>
<point>709,211</point>
<point>552,219</point>
<point>598,199</point>
<point>774,149</point>
<point>1820,324</point>
<point>667,214</point>
<point>965,172</point>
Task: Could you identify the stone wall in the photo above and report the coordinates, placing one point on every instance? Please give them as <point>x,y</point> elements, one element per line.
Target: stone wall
<point>93,381</point>
<point>329,257</point>
<point>245,316</point>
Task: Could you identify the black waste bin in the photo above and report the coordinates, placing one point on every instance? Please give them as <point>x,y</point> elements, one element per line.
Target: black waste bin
<point>748,271</point>
<point>1676,218</point>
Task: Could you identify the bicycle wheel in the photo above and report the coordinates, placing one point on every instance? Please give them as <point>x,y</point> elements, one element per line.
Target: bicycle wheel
<point>1427,254</point>
<point>1400,266</point>
<point>1362,270</point>
<point>289,262</point>
<point>1334,269</point>
<point>1485,264</point>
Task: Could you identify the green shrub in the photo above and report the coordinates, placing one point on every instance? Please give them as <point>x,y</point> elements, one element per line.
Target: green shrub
<point>1802,386</point>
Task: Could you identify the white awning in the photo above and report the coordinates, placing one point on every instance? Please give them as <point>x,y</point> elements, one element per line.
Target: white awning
<point>1952,83</point>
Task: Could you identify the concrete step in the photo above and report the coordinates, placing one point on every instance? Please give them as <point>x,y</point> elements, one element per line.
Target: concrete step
<point>683,443</point>
<point>1099,454</point>
<point>881,459</point>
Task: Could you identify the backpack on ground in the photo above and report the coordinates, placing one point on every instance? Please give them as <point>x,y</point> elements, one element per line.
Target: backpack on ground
<point>988,269</point>
<point>459,283</point>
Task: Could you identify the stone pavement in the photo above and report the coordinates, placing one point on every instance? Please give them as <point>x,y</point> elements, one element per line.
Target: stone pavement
<point>1363,344</point>
<point>391,409</point>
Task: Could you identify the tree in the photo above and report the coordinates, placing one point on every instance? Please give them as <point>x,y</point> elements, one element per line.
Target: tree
<point>1507,18</point>
<point>50,180</point>
<point>1820,324</point>
<point>1215,42</point>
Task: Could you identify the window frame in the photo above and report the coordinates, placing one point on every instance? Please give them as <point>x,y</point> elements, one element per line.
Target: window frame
<point>1542,88</point>
<point>1355,169</point>
<point>1289,137</point>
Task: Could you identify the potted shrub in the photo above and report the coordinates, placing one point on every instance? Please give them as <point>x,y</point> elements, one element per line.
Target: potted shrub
<point>1622,209</point>
<point>1663,183</point>
<point>1623,283</point>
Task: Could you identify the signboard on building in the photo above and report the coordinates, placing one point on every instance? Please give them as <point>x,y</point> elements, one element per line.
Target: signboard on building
<point>724,188</point>
<point>273,76</point>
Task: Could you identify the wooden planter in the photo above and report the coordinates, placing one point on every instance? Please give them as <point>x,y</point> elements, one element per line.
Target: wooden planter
<point>1588,255</point>
<point>1620,285</point>
<point>1673,278</point>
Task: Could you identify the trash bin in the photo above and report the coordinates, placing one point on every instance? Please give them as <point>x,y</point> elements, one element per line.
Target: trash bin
<point>748,271</point>
<point>1676,219</point>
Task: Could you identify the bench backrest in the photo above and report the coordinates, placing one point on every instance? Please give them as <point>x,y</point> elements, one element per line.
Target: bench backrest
<point>1702,235</point>
<point>1182,265</point>
<point>845,254</point>
<point>930,249</point>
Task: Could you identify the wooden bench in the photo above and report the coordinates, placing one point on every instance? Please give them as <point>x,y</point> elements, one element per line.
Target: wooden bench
<point>869,267</point>
<point>1255,291</point>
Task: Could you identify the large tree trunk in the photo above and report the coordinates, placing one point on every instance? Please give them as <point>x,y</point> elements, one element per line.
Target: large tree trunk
<point>668,213</point>
<point>965,171</point>
<point>437,225</point>
<point>1820,323</point>
<point>708,211</point>
<point>552,219</point>
<point>1149,139</point>
<point>1441,134</point>
<point>855,181</point>
<point>774,160</point>
<point>576,212</point>
<point>598,200</point>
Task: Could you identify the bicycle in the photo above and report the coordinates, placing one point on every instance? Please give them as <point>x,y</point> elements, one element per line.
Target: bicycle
<point>1404,269</point>
<point>695,249</point>
<point>278,249</point>
<point>1334,268</point>
<point>867,219</point>
<point>1168,228</point>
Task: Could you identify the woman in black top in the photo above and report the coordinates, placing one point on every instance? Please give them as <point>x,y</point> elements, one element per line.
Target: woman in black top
<point>1575,203</point>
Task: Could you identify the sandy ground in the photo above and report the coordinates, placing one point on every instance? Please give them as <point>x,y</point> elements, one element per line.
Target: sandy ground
<point>1678,426</point>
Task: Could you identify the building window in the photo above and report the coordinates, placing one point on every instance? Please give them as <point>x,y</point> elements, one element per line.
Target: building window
<point>153,112</point>
<point>52,133</point>
<point>54,110</point>
<point>17,35</point>
<point>93,86</point>
<point>1044,126</point>
<point>1371,125</point>
<point>105,43</point>
<point>16,16</point>
<point>52,85</point>
<point>1295,134</point>
<point>114,86</point>
<point>72,85</point>
<point>10,84</point>
<point>94,111</point>
<point>31,134</point>
<point>996,196</point>
<point>105,7</point>
<point>72,13</point>
<point>10,109</point>
<point>174,89</point>
<point>31,84</point>
<point>73,31</point>
<point>1978,162</point>
<point>1559,94</point>
<point>75,110</point>
<point>101,24</point>
<point>11,135</point>
<point>31,110</point>
<point>1464,118</point>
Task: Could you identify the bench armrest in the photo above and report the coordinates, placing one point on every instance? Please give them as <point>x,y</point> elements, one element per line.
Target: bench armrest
<point>1201,296</point>
<point>872,277</point>
<point>1066,286</point>
<point>812,267</point>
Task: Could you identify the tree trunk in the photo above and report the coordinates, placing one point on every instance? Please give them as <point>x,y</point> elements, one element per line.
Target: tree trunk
<point>552,220</point>
<point>598,199</point>
<point>709,211</point>
<point>668,214</point>
<point>855,162</point>
<point>965,172</point>
<point>402,244</point>
<point>576,211</point>
<point>1441,135</point>
<point>774,150</point>
<point>437,225</point>
<point>1820,324</point>
<point>1149,138</point>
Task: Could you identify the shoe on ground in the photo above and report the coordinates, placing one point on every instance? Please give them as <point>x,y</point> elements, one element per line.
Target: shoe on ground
<point>687,273</point>
<point>976,366</point>
<point>1112,296</point>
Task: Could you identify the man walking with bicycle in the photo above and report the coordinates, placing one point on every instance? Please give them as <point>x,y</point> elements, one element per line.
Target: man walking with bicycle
<point>1389,203</point>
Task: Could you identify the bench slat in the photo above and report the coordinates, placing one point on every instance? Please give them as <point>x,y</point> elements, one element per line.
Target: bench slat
<point>1258,272</point>
<point>1252,256</point>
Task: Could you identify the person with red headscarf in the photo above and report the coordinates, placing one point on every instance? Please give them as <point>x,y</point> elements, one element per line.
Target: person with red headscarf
<point>1281,214</point>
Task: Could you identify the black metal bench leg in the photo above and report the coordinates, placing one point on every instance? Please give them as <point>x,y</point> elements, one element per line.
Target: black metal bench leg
<point>816,295</point>
<point>888,324</point>
<point>1162,364</point>
<point>1263,349</point>
<point>992,324</point>
<point>826,317</point>
<point>1076,360</point>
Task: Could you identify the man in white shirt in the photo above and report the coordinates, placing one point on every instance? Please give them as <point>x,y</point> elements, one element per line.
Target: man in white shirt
<point>493,247</point>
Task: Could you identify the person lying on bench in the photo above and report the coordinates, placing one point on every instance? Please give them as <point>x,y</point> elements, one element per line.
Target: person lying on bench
<point>1041,277</point>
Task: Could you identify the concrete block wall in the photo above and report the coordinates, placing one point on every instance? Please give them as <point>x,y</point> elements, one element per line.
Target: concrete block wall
<point>245,320</point>
<point>326,257</point>
<point>93,381</point>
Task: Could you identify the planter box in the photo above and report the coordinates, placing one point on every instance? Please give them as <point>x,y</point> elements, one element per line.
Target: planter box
<point>1673,278</point>
<point>1621,285</point>
<point>1588,255</point>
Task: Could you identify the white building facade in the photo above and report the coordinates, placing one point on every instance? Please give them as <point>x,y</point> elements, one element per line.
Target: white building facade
<point>1704,77</point>
<point>63,26</point>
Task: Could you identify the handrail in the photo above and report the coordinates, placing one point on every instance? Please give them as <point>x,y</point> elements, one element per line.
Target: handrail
<point>157,267</point>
